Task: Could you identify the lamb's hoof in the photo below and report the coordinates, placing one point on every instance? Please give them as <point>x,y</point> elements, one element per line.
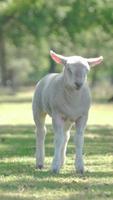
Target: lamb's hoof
<point>40,167</point>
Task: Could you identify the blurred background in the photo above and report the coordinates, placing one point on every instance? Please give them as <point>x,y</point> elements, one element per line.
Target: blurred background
<point>30,28</point>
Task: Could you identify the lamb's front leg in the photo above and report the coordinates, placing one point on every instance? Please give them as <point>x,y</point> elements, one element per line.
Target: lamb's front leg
<point>79,142</point>
<point>59,138</point>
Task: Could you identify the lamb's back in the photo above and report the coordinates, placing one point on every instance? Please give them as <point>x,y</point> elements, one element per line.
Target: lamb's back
<point>44,92</point>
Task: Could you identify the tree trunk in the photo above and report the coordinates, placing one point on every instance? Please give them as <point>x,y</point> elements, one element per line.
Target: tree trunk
<point>52,67</point>
<point>3,67</point>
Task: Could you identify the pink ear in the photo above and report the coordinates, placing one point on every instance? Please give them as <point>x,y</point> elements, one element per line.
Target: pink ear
<point>95,61</point>
<point>56,57</point>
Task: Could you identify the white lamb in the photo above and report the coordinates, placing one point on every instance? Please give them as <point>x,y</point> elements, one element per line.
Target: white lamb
<point>66,98</point>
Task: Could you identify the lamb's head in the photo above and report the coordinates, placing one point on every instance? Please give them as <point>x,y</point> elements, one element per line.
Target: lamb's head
<point>75,68</point>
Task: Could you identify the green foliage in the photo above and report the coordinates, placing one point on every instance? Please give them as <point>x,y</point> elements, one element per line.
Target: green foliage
<point>75,26</point>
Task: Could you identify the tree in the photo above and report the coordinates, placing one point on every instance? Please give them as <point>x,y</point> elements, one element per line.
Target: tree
<point>52,24</point>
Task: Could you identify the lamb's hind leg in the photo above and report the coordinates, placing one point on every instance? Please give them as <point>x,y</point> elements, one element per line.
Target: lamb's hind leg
<point>64,147</point>
<point>67,128</point>
<point>40,139</point>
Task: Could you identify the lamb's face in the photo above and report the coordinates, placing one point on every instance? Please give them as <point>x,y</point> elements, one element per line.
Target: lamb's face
<point>75,72</point>
<point>76,68</point>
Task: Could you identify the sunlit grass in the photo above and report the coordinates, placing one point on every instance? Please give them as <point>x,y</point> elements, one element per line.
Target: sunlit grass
<point>21,181</point>
<point>101,114</point>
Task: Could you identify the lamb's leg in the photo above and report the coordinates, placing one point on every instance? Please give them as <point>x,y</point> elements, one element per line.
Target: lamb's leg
<point>40,139</point>
<point>64,147</point>
<point>67,128</point>
<point>58,126</point>
<point>79,141</point>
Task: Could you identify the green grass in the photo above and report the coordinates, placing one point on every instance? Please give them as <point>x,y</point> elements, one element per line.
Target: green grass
<point>20,180</point>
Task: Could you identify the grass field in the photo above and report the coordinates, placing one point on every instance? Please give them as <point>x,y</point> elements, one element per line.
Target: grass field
<point>19,180</point>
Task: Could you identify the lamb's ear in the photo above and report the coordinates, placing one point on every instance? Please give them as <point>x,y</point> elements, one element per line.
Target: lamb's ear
<point>58,58</point>
<point>94,61</point>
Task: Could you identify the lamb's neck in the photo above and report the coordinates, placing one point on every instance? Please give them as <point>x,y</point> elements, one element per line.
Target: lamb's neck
<point>72,99</point>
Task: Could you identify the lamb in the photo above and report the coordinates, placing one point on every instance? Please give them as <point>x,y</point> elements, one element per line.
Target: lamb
<point>66,98</point>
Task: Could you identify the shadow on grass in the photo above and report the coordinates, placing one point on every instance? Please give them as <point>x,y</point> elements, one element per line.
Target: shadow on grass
<point>17,162</point>
<point>20,141</point>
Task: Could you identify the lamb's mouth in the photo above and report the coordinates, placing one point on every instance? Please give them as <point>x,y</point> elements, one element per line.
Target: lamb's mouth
<point>78,85</point>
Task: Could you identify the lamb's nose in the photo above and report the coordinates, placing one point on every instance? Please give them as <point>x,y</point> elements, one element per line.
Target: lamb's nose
<point>78,85</point>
